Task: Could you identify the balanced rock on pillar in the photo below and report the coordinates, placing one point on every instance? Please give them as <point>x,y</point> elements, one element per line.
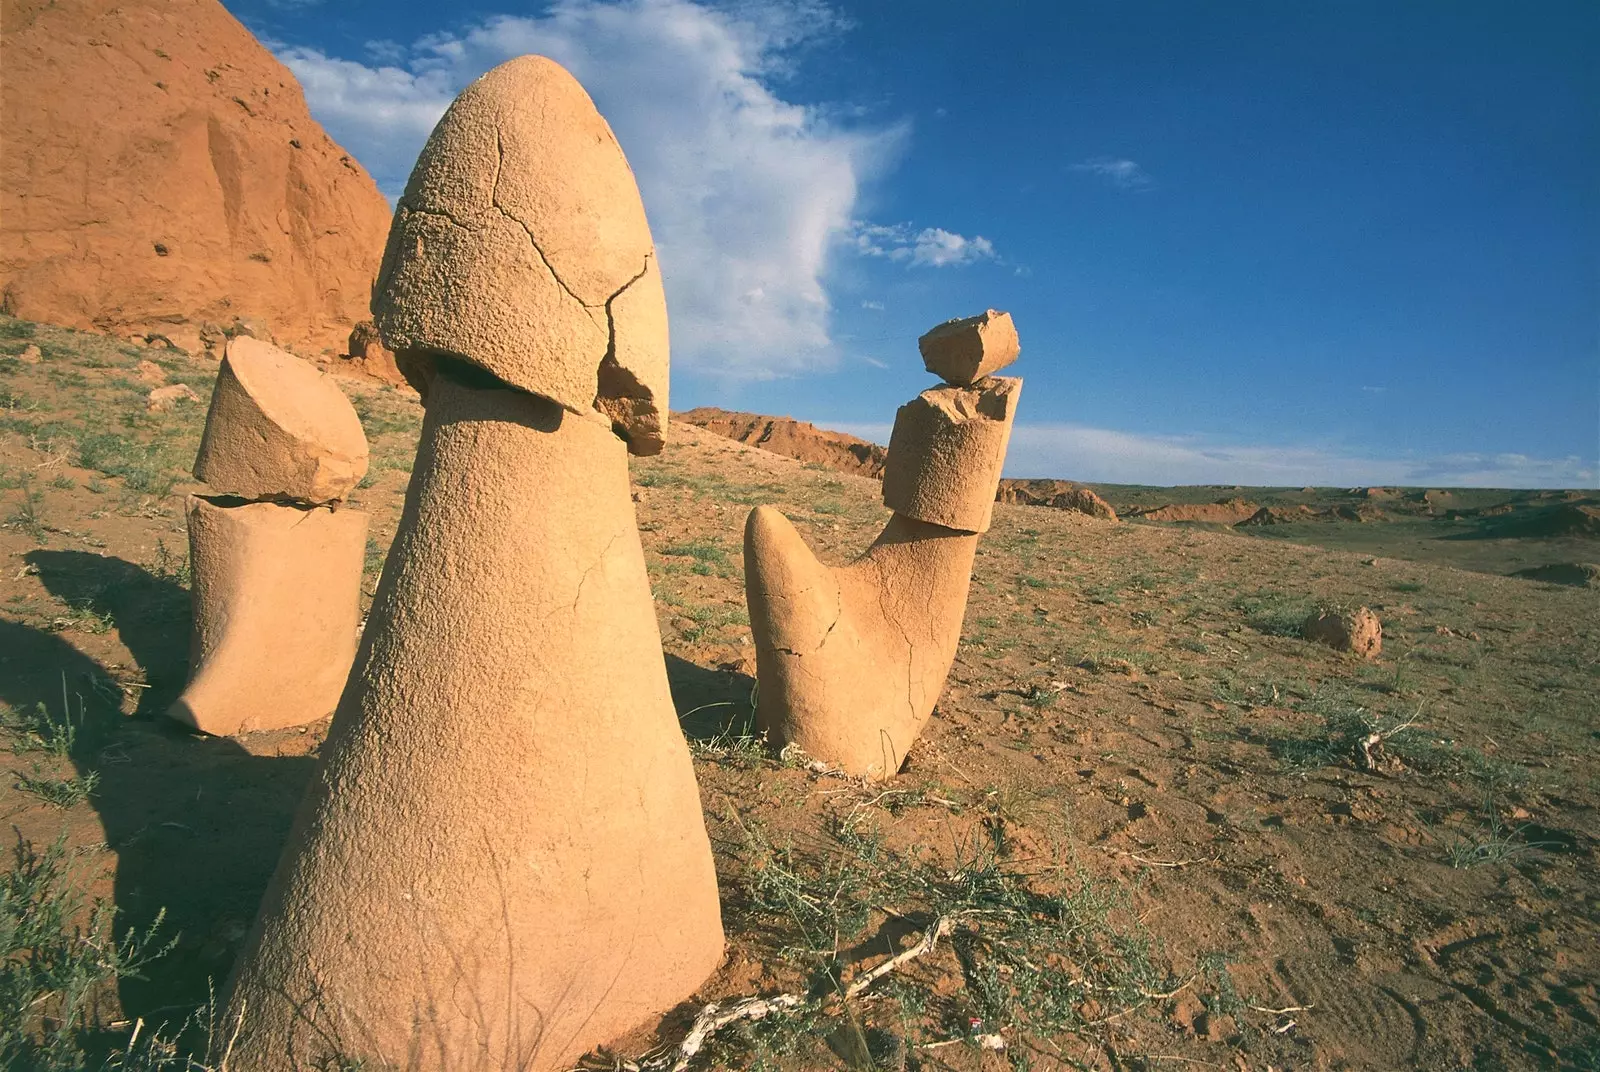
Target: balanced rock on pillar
<point>501,861</point>
<point>276,581</point>
<point>962,352</point>
<point>850,661</point>
<point>279,429</point>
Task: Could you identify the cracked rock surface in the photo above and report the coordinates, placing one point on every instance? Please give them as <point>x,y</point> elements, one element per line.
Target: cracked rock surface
<point>521,246</point>
<point>946,452</point>
<point>501,861</point>
<point>851,660</point>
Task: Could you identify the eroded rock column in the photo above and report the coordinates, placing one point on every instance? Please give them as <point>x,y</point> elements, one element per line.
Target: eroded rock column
<point>275,557</point>
<point>851,660</point>
<point>501,862</point>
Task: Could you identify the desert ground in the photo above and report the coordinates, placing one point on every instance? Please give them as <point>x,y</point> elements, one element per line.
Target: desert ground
<point>1158,827</point>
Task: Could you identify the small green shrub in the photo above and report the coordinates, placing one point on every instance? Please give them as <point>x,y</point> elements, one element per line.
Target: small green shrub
<point>58,959</point>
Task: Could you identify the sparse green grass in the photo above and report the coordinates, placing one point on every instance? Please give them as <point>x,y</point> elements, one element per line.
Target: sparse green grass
<point>11,328</point>
<point>151,467</point>
<point>55,790</point>
<point>58,960</point>
<point>28,512</point>
<point>172,565</point>
<point>1043,949</point>
<point>1490,841</point>
<point>708,557</point>
<point>1274,613</point>
<point>707,619</point>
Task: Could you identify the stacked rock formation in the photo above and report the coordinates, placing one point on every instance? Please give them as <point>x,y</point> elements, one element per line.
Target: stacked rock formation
<point>501,862</point>
<point>851,661</point>
<point>275,560</point>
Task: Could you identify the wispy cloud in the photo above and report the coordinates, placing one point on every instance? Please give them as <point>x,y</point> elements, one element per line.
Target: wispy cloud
<point>747,193</point>
<point>1079,452</point>
<point>1121,173</point>
<point>929,247</point>
<point>875,306</point>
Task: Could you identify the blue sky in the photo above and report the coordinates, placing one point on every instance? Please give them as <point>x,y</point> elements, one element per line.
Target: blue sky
<point>1331,243</point>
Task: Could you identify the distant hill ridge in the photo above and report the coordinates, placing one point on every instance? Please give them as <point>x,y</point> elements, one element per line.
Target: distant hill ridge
<point>792,438</point>
<point>847,453</point>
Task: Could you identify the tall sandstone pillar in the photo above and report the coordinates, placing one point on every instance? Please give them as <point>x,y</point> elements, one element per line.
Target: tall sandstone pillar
<point>501,862</point>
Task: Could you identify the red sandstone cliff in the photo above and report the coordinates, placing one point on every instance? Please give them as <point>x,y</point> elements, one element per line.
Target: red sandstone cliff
<point>159,168</point>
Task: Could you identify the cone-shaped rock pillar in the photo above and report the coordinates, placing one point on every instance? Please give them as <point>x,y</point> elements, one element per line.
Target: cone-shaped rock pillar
<point>276,581</point>
<point>851,660</point>
<point>501,862</point>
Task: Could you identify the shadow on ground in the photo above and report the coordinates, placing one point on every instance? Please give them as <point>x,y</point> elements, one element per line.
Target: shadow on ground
<point>711,702</point>
<point>150,614</point>
<point>196,823</point>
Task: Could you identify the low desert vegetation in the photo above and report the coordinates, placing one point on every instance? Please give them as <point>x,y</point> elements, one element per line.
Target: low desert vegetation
<point>1150,825</point>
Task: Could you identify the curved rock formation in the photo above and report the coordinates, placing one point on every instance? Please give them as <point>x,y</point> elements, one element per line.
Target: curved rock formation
<point>501,862</point>
<point>851,661</point>
<point>160,167</point>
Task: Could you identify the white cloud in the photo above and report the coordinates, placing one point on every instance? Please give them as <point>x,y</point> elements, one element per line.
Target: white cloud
<point>930,247</point>
<point>1077,452</point>
<point>1123,174</point>
<point>745,191</point>
<point>875,306</point>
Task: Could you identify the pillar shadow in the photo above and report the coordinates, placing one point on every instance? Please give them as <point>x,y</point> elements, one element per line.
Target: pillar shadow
<point>711,702</point>
<point>150,614</point>
<point>196,823</point>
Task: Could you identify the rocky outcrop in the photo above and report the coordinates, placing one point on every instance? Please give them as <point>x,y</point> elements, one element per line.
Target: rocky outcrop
<point>1221,512</point>
<point>850,661</point>
<point>1286,515</point>
<point>279,430</point>
<point>1057,494</point>
<point>501,861</point>
<point>161,172</point>
<point>946,451</point>
<point>962,352</point>
<point>793,439</point>
<point>1357,631</point>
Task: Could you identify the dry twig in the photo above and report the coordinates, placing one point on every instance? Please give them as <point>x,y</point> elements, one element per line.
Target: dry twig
<point>715,1017</point>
